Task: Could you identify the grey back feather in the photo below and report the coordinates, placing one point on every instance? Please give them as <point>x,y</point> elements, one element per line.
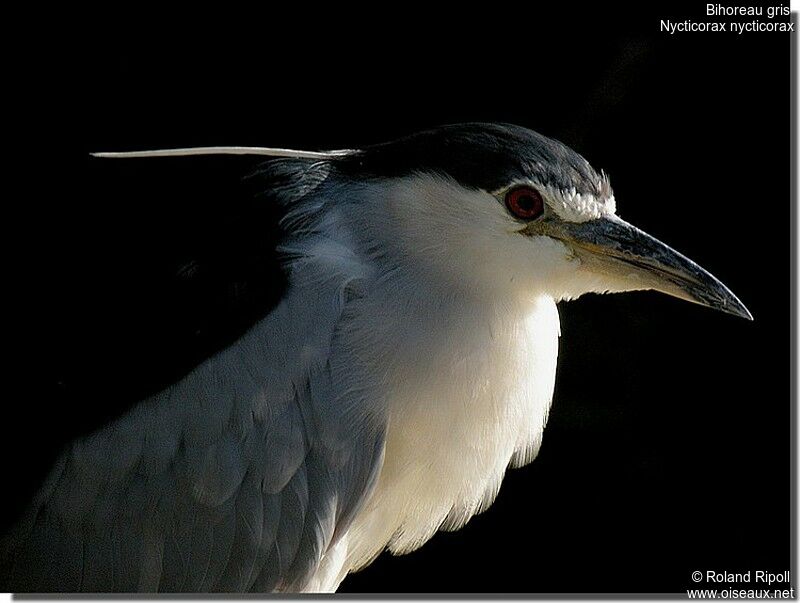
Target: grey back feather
<point>240,477</point>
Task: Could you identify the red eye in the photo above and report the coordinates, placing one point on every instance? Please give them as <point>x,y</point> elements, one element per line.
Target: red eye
<point>525,202</point>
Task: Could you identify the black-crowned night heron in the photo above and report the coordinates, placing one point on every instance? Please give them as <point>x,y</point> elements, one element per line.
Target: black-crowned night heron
<point>409,364</point>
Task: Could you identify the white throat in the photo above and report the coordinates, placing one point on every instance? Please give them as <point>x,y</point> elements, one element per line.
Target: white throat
<point>467,394</point>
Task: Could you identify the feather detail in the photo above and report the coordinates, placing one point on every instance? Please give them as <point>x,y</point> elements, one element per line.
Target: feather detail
<point>194,151</point>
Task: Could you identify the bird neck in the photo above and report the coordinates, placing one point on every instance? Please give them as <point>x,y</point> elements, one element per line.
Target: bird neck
<point>467,381</point>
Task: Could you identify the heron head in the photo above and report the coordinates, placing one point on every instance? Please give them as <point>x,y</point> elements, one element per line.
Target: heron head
<point>502,207</point>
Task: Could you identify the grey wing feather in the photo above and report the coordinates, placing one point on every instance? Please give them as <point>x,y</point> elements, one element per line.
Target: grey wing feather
<point>230,480</point>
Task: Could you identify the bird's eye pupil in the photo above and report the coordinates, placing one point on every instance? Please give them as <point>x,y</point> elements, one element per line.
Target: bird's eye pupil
<point>525,202</point>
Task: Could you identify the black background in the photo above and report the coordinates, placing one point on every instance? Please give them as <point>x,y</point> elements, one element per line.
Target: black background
<point>668,446</point>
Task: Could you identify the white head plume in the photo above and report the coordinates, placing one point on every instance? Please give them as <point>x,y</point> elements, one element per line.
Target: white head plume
<point>266,151</point>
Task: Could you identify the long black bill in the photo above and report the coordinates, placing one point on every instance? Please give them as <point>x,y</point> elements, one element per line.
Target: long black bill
<point>615,246</point>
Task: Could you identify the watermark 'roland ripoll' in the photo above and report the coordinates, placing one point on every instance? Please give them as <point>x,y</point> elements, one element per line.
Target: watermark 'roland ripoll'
<point>757,576</point>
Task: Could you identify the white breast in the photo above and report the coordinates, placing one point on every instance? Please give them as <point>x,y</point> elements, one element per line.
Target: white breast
<point>470,390</point>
